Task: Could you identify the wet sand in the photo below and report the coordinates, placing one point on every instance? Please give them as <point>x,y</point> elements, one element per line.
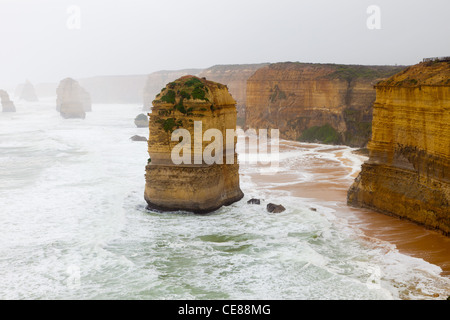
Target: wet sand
<point>329,186</point>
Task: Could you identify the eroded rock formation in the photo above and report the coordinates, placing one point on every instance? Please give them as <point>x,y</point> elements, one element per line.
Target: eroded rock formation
<point>193,186</point>
<point>294,97</point>
<point>7,104</point>
<point>72,100</point>
<point>408,171</point>
<point>27,92</point>
<point>141,121</point>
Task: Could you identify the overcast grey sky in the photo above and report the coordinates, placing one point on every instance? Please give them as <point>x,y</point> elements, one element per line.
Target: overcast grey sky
<point>142,36</point>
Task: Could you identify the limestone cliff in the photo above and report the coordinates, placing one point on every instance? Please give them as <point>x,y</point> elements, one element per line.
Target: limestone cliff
<point>156,80</point>
<point>7,104</point>
<point>193,186</point>
<point>408,171</point>
<point>72,100</point>
<point>294,97</point>
<point>115,88</point>
<point>235,78</point>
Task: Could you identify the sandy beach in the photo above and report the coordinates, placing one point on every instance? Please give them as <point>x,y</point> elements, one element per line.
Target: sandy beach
<point>330,182</point>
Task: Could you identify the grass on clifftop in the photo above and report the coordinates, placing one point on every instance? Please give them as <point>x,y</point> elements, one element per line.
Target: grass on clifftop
<point>351,72</point>
<point>325,134</point>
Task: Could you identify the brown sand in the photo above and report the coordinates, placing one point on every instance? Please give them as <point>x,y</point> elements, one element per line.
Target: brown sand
<point>409,238</point>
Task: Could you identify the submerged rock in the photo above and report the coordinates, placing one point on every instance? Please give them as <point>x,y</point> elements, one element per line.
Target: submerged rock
<point>195,185</point>
<point>275,208</point>
<point>141,121</point>
<point>7,105</point>
<point>72,100</point>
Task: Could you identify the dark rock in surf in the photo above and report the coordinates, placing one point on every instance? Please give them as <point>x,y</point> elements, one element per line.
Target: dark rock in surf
<point>275,208</point>
<point>254,201</point>
<point>138,138</point>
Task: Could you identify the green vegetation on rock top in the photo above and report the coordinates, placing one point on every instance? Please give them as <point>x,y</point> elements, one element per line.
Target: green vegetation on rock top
<point>192,88</point>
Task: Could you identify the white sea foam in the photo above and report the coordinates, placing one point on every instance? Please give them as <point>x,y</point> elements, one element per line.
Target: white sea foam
<point>74,225</point>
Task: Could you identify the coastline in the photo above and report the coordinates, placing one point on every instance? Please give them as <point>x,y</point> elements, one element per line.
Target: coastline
<point>328,184</point>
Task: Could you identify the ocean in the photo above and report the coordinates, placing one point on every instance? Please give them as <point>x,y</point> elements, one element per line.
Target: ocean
<point>74,224</point>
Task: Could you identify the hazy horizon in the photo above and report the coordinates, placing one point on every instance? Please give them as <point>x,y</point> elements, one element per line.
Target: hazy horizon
<point>45,41</point>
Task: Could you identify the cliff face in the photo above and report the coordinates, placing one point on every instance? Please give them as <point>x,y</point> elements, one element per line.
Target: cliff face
<point>115,89</point>
<point>235,78</point>
<point>194,186</point>
<point>294,97</point>
<point>408,172</point>
<point>72,100</point>
<point>7,105</point>
<point>157,80</point>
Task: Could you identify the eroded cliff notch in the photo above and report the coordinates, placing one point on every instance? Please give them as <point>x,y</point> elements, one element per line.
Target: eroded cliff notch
<point>72,100</point>
<point>408,171</point>
<point>193,185</point>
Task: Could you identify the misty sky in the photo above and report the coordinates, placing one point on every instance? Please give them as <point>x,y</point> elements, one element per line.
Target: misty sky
<point>141,36</point>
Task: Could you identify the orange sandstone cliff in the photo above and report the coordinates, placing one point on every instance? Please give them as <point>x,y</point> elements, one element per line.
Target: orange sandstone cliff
<point>408,172</point>
<point>294,97</point>
<point>235,78</point>
<point>195,186</point>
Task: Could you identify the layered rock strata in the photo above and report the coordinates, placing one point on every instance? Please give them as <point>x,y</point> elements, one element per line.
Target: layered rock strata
<point>193,185</point>
<point>408,171</point>
<point>72,100</point>
<point>7,104</point>
<point>294,97</point>
<point>235,78</point>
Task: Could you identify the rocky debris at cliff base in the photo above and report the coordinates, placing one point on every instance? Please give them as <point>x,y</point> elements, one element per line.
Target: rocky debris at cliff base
<point>141,121</point>
<point>254,201</point>
<point>275,208</point>
<point>7,105</point>
<point>138,138</point>
<point>72,100</point>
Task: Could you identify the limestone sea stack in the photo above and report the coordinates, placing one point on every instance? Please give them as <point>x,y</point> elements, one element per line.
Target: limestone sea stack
<point>28,93</point>
<point>7,105</point>
<point>408,171</point>
<point>72,100</point>
<point>195,185</point>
